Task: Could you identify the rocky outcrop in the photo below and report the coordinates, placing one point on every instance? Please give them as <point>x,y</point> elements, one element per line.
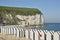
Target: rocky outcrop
<point>21,16</point>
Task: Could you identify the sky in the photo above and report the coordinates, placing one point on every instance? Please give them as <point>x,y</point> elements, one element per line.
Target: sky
<point>49,8</point>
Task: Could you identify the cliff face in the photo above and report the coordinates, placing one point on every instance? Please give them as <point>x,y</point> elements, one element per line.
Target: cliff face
<point>14,15</point>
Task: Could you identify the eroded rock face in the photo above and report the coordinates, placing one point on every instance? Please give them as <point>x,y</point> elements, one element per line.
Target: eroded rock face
<point>23,20</point>
<point>37,19</point>
<point>21,16</point>
<point>9,16</point>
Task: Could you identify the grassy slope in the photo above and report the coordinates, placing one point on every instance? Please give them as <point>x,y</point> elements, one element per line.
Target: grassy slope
<point>22,11</point>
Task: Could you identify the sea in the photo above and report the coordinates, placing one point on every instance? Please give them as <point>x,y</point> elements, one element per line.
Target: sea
<point>51,26</point>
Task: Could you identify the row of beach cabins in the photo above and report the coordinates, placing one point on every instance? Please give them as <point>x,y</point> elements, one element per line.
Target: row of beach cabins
<point>32,34</point>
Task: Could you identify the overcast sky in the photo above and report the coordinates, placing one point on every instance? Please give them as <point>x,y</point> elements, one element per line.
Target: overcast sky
<point>50,8</point>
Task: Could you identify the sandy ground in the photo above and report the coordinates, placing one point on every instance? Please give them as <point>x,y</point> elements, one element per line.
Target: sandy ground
<point>10,37</point>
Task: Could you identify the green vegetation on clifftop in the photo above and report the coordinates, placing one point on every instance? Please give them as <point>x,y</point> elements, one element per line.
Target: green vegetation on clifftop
<point>21,11</point>
<point>4,10</point>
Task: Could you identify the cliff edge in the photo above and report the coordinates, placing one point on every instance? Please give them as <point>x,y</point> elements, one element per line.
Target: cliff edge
<point>20,16</point>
